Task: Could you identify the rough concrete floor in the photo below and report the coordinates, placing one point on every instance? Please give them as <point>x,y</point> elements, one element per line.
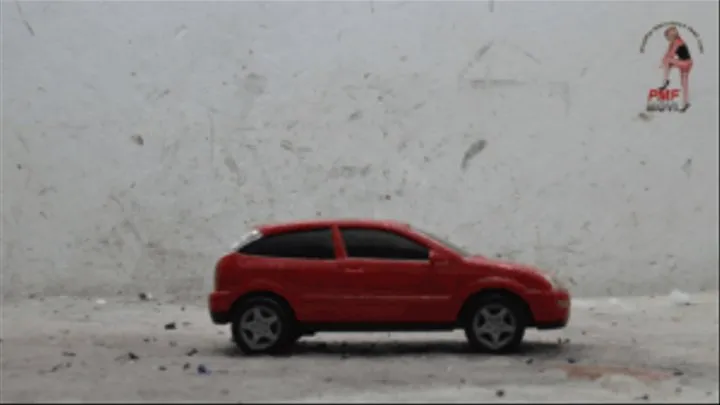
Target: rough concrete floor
<point>635,349</point>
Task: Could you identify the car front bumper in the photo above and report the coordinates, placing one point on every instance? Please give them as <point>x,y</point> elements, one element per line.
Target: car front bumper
<point>551,309</point>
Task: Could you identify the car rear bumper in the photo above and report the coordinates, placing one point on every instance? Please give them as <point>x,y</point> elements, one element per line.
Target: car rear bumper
<point>551,310</point>
<point>219,305</point>
<point>220,318</point>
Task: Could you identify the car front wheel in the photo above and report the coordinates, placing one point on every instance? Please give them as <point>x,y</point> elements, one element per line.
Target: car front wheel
<point>496,324</point>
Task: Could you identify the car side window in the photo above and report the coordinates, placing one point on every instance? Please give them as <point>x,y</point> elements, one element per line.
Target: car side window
<point>306,244</point>
<point>380,244</point>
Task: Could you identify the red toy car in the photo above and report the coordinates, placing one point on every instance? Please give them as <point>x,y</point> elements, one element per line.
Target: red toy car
<point>285,281</point>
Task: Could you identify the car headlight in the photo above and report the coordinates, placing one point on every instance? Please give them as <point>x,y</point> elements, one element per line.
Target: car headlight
<point>550,280</point>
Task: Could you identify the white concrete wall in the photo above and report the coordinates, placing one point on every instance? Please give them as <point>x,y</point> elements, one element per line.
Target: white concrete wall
<point>263,112</point>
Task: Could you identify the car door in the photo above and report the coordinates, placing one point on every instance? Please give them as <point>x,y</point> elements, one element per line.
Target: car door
<point>302,264</point>
<point>390,274</point>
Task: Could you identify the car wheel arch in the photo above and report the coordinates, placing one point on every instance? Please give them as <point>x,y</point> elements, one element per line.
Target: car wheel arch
<point>472,298</point>
<point>262,294</point>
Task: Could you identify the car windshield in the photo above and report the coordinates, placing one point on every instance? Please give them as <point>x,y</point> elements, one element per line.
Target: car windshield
<point>444,242</point>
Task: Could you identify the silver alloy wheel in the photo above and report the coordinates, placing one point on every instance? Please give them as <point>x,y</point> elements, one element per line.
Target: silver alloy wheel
<point>494,326</point>
<point>260,327</point>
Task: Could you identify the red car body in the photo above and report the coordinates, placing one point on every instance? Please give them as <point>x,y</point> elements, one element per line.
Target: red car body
<point>342,293</point>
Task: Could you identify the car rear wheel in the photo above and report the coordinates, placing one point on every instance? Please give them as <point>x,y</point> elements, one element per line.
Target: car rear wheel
<point>262,325</point>
<point>496,324</point>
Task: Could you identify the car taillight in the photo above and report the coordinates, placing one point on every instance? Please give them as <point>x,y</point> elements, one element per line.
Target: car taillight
<point>224,271</point>
<point>219,274</point>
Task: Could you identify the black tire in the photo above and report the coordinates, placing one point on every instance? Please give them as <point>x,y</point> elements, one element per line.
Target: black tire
<point>286,328</point>
<point>507,341</point>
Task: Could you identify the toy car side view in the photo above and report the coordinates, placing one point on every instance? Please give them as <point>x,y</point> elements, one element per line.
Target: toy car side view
<point>284,281</point>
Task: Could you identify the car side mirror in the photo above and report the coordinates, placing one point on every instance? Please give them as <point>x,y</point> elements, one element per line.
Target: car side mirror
<point>438,258</point>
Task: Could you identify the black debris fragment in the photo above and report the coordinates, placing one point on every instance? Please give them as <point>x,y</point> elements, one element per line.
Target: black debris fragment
<point>571,360</point>
<point>191,352</point>
<point>186,366</point>
<point>201,369</point>
<point>529,361</point>
<point>68,354</point>
<point>500,393</point>
<point>162,368</point>
<point>61,366</point>
<point>129,356</point>
<point>170,326</point>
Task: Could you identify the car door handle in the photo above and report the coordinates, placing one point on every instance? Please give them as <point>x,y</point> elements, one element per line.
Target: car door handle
<point>354,270</point>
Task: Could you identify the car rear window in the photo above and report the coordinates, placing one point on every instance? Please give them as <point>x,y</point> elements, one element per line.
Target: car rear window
<point>247,239</point>
<point>305,244</point>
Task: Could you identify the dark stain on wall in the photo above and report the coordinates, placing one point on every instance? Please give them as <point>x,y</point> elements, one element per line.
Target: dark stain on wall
<point>687,167</point>
<point>232,166</point>
<point>24,20</point>
<point>355,116</point>
<point>255,84</point>
<point>473,150</point>
<point>348,171</point>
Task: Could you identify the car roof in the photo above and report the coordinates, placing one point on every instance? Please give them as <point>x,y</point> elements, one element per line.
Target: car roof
<point>315,223</point>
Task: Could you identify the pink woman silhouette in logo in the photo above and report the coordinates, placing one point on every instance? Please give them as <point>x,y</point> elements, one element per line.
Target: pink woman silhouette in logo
<point>677,56</point>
